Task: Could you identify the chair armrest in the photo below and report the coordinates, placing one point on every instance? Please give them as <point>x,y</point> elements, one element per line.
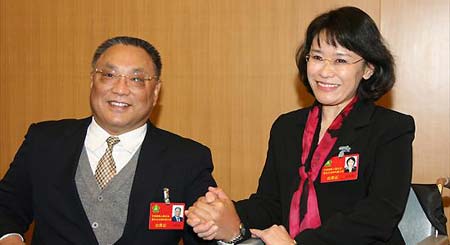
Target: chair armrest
<point>434,240</point>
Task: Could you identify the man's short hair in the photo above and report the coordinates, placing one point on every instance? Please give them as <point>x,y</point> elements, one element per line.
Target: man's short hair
<point>133,41</point>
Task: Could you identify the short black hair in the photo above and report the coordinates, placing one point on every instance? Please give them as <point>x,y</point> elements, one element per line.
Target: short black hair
<point>351,158</point>
<point>133,41</point>
<point>352,28</point>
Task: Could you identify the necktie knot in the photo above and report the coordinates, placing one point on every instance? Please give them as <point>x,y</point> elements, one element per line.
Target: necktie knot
<point>111,141</point>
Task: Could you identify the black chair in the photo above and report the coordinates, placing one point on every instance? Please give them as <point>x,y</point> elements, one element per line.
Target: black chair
<point>424,221</point>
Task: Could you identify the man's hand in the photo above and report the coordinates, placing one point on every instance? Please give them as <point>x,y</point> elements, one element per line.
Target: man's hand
<point>12,240</point>
<point>214,216</point>
<point>275,235</point>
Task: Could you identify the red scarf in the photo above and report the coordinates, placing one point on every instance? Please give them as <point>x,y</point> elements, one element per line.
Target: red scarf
<point>311,219</point>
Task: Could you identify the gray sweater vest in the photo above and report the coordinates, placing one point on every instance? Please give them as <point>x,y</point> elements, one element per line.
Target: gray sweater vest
<point>106,209</point>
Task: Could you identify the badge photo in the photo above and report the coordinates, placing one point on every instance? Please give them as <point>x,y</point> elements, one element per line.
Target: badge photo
<point>166,216</point>
<point>340,168</point>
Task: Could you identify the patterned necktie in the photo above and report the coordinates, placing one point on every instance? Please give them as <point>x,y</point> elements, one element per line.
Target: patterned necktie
<point>106,168</point>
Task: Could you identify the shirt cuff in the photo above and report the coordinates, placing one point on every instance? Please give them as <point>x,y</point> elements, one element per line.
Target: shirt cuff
<point>12,234</point>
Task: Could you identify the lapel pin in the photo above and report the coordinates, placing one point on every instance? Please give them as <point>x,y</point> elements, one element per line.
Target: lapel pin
<point>343,150</point>
<point>166,195</point>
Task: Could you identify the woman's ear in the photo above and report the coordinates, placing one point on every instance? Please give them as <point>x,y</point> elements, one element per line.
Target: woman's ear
<point>368,71</point>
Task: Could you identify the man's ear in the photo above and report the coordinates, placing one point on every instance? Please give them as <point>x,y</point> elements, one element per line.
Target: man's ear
<point>156,91</point>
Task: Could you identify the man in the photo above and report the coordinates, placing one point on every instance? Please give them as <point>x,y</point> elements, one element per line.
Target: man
<point>177,216</point>
<point>92,181</point>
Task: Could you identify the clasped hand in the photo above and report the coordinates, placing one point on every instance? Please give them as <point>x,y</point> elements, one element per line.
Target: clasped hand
<point>214,216</point>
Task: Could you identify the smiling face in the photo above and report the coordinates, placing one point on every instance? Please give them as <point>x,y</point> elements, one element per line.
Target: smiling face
<point>119,107</point>
<point>177,212</point>
<point>350,163</point>
<point>332,82</point>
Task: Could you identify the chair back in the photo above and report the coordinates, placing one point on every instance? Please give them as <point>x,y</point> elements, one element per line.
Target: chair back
<point>424,214</point>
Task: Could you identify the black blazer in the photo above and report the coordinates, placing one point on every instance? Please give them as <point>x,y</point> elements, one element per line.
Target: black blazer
<point>40,185</point>
<point>368,208</point>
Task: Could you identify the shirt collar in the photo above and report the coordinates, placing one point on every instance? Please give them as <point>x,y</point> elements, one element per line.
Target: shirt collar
<point>96,137</point>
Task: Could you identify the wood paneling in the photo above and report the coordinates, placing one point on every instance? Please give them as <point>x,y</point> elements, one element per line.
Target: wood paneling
<point>228,70</point>
<point>418,34</point>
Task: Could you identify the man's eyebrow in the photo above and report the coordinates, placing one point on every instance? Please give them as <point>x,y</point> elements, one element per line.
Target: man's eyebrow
<point>138,70</point>
<point>111,66</point>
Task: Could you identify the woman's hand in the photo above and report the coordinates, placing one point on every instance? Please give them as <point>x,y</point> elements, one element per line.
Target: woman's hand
<point>12,240</point>
<point>214,216</point>
<point>275,235</point>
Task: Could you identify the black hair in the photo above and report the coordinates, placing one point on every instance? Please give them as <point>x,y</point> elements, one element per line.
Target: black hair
<point>133,41</point>
<point>352,28</point>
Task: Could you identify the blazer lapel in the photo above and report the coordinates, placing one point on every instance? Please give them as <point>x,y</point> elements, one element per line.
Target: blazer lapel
<point>70,151</point>
<point>148,175</point>
<point>357,119</point>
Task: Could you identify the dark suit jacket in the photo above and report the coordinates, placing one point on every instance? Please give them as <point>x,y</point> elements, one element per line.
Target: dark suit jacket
<point>174,218</point>
<point>40,185</point>
<point>368,208</point>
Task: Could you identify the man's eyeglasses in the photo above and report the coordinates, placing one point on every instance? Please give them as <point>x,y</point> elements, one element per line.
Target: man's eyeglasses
<point>337,63</point>
<point>136,80</point>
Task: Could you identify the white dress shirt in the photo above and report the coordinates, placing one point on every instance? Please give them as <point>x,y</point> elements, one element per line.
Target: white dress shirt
<point>123,151</point>
<point>95,143</point>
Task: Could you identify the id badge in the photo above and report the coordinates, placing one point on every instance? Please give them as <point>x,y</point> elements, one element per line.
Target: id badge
<point>344,168</point>
<point>166,216</point>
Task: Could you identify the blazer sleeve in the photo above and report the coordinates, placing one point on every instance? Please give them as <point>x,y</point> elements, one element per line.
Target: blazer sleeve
<point>16,212</point>
<point>200,178</point>
<point>375,217</point>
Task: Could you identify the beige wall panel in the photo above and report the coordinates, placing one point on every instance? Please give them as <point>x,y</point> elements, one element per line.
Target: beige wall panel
<point>418,34</point>
<point>228,70</point>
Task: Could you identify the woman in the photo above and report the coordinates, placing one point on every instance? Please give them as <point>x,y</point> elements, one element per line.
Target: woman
<point>345,65</point>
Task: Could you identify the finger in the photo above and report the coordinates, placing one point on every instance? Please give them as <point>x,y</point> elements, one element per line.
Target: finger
<point>221,194</point>
<point>193,221</point>
<point>202,214</point>
<point>191,214</point>
<point>213,236</point>
<point>207,207</point>
<point>203,227</point>
<point>210,197</point>
<point>201,199</point>
<point>210,233</point>
<point>282,228</point>
<point>256,232</point>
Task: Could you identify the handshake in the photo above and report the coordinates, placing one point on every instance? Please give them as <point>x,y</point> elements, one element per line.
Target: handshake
<point>214,216</point>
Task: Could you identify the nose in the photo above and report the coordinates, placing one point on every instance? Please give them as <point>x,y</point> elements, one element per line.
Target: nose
<point>327,69</point>
<point>121,86</point>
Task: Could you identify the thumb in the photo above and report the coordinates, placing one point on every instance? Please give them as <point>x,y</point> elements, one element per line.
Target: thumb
<point>210,197</point>
<point>256,233</point>
<point>219,192</point>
